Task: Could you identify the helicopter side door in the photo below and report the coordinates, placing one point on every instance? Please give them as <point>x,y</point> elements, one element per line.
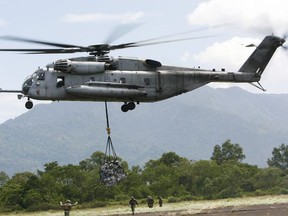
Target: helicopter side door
<point>55,85</point>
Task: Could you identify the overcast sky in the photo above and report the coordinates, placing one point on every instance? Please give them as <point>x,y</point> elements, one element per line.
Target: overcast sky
<point>90,22</point>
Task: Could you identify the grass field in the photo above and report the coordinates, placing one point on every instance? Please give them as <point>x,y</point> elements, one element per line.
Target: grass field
<point>191,207</point>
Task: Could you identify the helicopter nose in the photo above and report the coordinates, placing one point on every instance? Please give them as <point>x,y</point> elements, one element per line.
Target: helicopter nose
<point>25,89</point>
<point>26,85</point>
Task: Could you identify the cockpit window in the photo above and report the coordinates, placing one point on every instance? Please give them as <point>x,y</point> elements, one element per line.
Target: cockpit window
<point>29,82</point>
<point>41,76</point>
<point>26,85</point>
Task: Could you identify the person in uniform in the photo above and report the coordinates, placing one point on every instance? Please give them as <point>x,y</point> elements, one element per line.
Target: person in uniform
<point>67,206</point>
<point>160,201</point>
<point>150,202</point>
<point>133,202</point>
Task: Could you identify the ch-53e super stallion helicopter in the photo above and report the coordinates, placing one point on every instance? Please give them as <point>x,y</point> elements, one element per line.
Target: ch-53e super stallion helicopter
<point>100,77</point>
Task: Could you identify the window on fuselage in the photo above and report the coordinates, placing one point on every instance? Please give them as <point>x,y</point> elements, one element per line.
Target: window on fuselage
<point>60,81</point>
<point>122,80</point>
<point>147,81</point>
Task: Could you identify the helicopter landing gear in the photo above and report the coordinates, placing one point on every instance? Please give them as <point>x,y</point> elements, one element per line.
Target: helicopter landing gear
<point>128,106</point>
<point>29,104</point>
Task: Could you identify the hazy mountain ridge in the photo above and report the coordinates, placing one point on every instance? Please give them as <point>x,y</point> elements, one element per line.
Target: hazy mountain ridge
<point>190,125</point>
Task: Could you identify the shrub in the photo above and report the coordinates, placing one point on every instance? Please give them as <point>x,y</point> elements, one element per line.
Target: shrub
<point>173,199</point>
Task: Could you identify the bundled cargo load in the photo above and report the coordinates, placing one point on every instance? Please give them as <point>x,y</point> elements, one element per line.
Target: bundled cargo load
<point>111,172</point>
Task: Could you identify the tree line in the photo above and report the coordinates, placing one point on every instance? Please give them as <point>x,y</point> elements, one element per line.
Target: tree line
<point>173,177</point>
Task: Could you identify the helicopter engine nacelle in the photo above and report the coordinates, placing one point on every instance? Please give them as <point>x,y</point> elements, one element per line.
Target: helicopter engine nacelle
<point>79,67</point>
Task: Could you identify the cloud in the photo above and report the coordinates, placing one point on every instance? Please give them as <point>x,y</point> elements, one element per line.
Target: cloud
<point>103,17</point>
<point>264,16</point>
<point>2,22</point>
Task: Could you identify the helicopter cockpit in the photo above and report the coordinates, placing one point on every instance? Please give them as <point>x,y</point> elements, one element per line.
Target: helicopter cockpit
<point>28,83</point>
<point>39,74</point>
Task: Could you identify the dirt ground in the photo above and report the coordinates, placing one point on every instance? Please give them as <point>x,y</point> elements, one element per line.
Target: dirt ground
<point>254,210</point>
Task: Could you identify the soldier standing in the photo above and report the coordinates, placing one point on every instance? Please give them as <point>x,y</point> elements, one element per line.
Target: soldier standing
<point>67,206</point>
<point>160,201</point>
<point>150,202</point>
<point>133,202</point>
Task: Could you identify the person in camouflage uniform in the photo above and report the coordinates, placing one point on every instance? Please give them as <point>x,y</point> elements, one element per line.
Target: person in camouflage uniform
<point>160,201</point>
<point>150,202</point>
<point>133,202</point>
<point>67,206</point>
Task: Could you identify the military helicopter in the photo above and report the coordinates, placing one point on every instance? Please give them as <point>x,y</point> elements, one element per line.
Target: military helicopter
<point>100,77</point>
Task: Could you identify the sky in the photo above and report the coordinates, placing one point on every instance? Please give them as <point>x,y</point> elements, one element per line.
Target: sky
<point>234,24</point>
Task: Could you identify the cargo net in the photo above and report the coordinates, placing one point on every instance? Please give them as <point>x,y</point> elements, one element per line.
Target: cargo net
<point>111,172</point>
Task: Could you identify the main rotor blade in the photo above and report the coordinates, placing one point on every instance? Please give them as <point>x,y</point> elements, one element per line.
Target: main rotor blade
<point>101,49</point>
<point>182,33</point>
<point>136,44</point>
<point>154,41</point>
<point>44,51</point>
<point>121,30</point>
<point>20,39</point>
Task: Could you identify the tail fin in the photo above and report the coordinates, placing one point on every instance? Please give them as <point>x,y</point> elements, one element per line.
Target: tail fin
<point>259,59</point>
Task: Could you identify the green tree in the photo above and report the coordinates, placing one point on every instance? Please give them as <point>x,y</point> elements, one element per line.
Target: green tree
<point>32,194</point>
<point>170,159</point>
<point>134,184</point>
<point>11,196</point>
<point>203,172</point>
<point>94,162</point>
<point>227,152</point>
<point>61,182</point>
<point>162,175</point>
<point>3,178</point>
<point>279,157</point>
<point>268,178</point>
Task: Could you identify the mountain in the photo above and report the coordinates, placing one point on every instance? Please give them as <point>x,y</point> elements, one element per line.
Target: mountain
<point>190,125</point>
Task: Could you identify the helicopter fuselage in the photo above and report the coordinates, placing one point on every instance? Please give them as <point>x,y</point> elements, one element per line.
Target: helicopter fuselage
<point>123,80</point>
